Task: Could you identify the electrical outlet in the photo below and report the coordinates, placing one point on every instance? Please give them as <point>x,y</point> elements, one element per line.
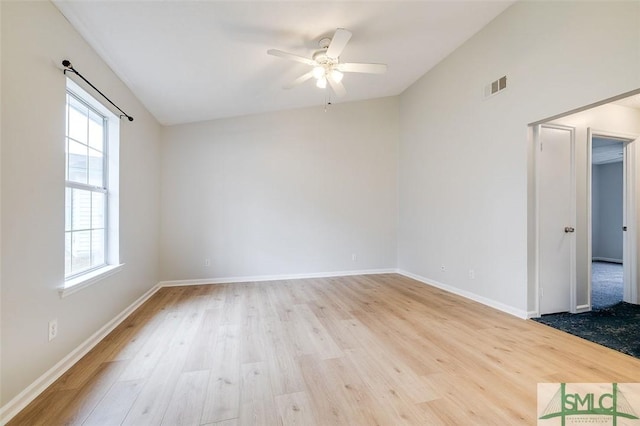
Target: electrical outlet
<point>354,257</point>
<point>443,268</point>
<point>472,274</point>
<point>207,262</point>
<point>53,329</point>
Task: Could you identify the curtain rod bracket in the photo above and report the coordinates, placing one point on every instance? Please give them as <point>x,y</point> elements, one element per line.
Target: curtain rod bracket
<point>69,67</point>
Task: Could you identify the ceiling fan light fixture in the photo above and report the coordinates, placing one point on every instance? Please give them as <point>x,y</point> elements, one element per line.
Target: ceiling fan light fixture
<point>336,75</point>
<point>318,72</point>
<point>321,83</point>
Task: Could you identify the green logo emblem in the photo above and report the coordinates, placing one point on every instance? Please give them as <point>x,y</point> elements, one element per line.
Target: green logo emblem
<point>610,404</point>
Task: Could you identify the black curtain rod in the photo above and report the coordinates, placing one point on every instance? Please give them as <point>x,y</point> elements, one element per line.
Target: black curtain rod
<point>68,67</point>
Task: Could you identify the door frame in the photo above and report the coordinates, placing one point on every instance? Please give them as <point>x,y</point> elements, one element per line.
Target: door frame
<point>629,237</point>
<point>537,160</point>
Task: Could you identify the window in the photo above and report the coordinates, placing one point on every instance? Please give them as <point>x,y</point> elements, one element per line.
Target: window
<point>91,148</point>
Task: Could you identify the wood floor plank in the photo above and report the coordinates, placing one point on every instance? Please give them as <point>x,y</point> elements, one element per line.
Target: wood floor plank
<point>310,335</point>
<point>230,422</point>
<point>90,394</point>
<point>187,401</point>
<point>326,391</point>
<point>255,382</point>
<point>222,399</point>
<point>252,340</point>
<point>257,402</point>
<point>141,366</point>
<point>358,394</point>
<point>202,351</point>
<point>125,342</point>
<point>294,409</point>
<point>42,410</point>
<point>258,412</point>
<point>359,350</point>
<point>115,405</point>
<point>279,353</point>
<point>160,383</point>
<point>390,393</point>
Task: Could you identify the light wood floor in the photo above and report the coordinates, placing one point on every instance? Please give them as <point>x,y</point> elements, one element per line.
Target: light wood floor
<point>364,350</point>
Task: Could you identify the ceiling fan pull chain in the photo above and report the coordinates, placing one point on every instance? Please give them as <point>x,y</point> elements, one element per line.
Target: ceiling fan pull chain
<point>327,100</point>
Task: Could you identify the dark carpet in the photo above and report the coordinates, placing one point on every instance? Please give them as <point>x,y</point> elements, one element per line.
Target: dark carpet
<point>606,284</point>
<point>616,327</point>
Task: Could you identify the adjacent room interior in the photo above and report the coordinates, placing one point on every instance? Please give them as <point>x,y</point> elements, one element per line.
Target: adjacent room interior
<point>607,186</point>
<point>310,212</point>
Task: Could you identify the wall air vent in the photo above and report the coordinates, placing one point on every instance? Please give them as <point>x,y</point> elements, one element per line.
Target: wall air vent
<point>495,87</point>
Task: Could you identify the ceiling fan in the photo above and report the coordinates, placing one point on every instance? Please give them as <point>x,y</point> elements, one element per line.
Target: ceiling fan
<point>326,64</point>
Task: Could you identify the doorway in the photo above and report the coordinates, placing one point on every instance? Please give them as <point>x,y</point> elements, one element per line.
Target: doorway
<point>570,277</point>
<point>607,224</point>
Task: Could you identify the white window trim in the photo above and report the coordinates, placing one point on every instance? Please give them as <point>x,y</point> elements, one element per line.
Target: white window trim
<point>85,280</point>
<point>113,265</point>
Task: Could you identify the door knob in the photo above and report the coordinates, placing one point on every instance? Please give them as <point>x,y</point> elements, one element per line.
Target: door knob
<point>568,229</point>
<point>624,228</point>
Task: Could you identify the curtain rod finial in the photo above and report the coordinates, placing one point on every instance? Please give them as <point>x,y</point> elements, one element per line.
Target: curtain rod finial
<point>66,63</point>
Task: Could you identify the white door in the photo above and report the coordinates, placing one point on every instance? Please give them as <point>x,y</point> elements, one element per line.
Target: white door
<point>556,227</point>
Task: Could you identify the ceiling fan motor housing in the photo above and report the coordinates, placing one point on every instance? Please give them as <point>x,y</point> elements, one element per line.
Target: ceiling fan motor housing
<point>320,56</point>
<point>324,43</point>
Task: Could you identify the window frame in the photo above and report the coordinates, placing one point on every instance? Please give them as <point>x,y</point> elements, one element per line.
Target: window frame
<point>110,189</point>
<point>104,189</point>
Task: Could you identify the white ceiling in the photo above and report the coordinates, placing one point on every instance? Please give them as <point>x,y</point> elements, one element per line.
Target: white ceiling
<point>191,61</point>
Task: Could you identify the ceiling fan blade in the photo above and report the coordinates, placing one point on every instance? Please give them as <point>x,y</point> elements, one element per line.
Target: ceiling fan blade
<point>338,87</point>
<point>291,56</point>
<point>338,42</point>
<point>299,80</point>
<point>363,68</point>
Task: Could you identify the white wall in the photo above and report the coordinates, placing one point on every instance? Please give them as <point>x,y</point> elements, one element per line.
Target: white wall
<point>465,163</point>
<point>609,180</point>
<point>35,39</point>
<point>292,192</point>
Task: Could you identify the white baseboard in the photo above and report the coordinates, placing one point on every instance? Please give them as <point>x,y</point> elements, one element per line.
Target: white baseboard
<point>606,259</point>
<point>20,401</point>
<point>582,308</point>
<point>579,309</point>
<point>257,278</point>
<point>468,295</point>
